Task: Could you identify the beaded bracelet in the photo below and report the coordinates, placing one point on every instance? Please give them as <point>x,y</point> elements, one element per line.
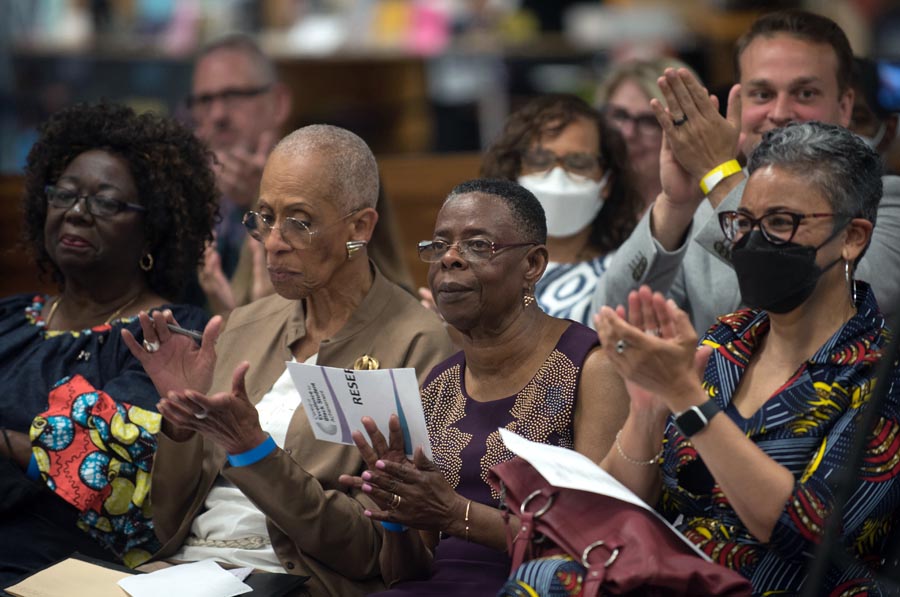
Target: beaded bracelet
<point>630,460</point>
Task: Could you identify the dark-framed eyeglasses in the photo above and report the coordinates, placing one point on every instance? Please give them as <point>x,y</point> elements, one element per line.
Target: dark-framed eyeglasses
<point>202,102</point>
<point>473,250</point>
<point>644,124</point>
<point>584,164</point>
<point>297,233</point>
<point>777,227</point>
<point>97,205</point>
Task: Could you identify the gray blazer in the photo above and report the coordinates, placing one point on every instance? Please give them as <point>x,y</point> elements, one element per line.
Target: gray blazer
<point>699,277</point>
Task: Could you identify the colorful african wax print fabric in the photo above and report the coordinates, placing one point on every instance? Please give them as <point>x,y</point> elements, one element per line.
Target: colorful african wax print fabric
<point>807,426</point>
<point>96,454</point>
<point>38,526</point>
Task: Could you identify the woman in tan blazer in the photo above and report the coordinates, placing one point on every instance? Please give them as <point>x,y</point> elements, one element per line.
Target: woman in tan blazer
<point>239,475</point>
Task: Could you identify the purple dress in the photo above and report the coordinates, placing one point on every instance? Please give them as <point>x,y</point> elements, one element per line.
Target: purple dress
<point>466,444</point>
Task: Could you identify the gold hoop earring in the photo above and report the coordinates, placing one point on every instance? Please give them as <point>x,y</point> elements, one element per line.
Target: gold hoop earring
<point>146,262</point>
<point>353,246</point>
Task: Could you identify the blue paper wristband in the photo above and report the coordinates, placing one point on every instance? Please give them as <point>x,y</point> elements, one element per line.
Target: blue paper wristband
<point>394,527</point>
<point>33,472</point>
<point>255,455</point>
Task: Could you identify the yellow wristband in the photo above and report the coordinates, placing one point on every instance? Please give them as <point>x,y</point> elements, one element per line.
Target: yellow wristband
<point>718,174</point>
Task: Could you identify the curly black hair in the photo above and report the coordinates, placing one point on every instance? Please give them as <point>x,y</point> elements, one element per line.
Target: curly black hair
<point>171,170</point>
<point>548,115</point>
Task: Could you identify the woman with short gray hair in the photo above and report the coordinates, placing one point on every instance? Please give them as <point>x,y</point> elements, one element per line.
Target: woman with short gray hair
<point>791,376</point>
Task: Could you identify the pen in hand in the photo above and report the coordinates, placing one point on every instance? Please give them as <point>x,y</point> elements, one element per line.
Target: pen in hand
<point>197,336</point>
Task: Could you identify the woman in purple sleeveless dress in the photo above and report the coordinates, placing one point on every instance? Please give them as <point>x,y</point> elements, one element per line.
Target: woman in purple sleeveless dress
<point>519,369</point>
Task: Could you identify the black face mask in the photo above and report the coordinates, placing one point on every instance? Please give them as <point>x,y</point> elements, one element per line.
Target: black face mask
<point>776,278</point>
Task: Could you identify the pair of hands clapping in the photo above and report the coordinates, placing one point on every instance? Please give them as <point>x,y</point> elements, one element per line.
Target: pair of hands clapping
<point>182,372</point>
<point>653,347</point>
<point>424,499</point>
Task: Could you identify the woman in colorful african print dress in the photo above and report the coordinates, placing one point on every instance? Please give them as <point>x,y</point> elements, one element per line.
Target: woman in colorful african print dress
<point>751,457</point>
<point>539,376</point>
<point>117,209</point>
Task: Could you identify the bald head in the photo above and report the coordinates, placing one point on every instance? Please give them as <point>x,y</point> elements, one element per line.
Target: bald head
<point>352,174</point>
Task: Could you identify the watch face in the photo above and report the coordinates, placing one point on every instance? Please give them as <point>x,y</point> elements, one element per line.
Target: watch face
<point>690,422</point>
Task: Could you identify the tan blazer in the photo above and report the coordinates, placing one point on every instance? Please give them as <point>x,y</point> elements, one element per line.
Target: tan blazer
<point>316,526</point>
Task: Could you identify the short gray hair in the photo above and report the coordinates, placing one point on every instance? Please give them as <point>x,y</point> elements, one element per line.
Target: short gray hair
<point>245,44</point>
<point>352,173</point>
<point>845,169</point>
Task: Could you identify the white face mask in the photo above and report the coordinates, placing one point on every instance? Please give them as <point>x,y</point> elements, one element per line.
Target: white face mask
<point>570,201</point>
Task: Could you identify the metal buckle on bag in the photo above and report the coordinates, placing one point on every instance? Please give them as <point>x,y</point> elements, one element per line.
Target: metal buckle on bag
<point>533,495</point>
<point>587,552</point>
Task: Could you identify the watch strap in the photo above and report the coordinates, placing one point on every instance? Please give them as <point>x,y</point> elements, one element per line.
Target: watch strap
<point>696,418</point>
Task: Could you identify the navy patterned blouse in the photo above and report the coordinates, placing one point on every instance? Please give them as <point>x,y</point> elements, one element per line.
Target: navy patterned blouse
<point>807,426</point>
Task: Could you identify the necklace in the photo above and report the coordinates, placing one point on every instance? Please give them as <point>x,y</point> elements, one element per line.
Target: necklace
<point>108,319</point>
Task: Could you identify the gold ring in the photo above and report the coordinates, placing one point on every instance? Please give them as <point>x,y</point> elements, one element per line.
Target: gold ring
<point>395,502</point>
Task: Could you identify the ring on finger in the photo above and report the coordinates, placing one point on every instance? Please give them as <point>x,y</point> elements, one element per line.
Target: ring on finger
<point>151,346</point>
<point>620,346</point>
<point>201,414</point>
<point>652,332</point>
<point>680,121</point>
<point>395,502</point>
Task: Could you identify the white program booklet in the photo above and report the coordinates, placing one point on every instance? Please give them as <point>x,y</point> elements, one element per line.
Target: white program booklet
<point>337,399</point>
<point>567,468</point>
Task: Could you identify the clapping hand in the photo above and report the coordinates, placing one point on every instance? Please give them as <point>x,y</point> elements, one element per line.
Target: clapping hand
<point>411,492</point>
<point>699,137</point>
<point>174,362</point>
<point>653,347</point>
<point>228,419</point>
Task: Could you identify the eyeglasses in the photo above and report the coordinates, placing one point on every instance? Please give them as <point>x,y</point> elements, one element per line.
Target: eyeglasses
<point>777,227</point>
<point>201,104</point>
<point>295,232</point>
<point>99,206</point>
<point>539,159</point>
<point>644,124</point>
<point>470,249</point>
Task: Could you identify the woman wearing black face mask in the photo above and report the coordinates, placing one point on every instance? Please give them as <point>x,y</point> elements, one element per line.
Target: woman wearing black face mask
<point>751,451</point>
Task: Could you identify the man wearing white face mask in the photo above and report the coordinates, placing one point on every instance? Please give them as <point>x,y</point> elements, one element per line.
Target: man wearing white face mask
<point>559,148</point>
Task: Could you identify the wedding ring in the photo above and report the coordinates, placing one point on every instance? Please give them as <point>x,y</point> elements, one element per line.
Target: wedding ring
<point>395,502</point>
<point>679,121</point>
<point>150,346</point>
<point>202,414</point>
<point>652,332</point>
<point>620,346</point>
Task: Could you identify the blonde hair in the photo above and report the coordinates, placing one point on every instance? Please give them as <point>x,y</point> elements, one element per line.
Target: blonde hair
<point>643,73</point>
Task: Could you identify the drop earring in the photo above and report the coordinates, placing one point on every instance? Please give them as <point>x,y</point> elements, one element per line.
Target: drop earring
<point>528,299</point>
<point>851,282</point>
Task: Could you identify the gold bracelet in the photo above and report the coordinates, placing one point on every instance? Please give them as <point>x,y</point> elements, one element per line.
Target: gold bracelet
<point>468,505</point>
<point>630,460</point>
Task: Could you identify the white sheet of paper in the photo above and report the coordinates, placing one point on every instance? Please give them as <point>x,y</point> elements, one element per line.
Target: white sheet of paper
<point>567,468</point>
<point>336,400</point>
<point>197,579</point>
<point>240,573</point>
